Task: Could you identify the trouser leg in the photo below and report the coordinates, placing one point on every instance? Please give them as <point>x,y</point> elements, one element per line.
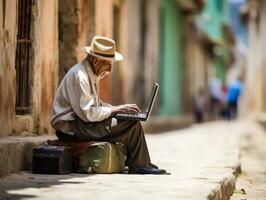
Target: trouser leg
<point>131,134</point>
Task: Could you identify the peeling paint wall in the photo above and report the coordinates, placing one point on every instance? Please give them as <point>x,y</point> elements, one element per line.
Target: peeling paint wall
<point>46,63</point>
<point>44,68</point>
<point>7,65</point>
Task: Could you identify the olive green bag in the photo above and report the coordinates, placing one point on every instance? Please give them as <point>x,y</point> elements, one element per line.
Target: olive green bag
<point>102,158</point>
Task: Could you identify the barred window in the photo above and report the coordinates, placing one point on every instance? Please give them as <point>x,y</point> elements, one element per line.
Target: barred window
<point>23,54</point>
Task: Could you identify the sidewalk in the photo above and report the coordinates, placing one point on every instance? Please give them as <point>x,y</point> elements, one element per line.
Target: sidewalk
<point>201,160</point>
<point>251,184</point>
<point>163,123</point>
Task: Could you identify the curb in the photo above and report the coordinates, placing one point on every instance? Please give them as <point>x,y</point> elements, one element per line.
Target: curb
<point>226,187</point>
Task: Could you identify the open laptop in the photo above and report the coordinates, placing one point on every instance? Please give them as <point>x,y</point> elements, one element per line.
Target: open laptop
<point>141,116</point>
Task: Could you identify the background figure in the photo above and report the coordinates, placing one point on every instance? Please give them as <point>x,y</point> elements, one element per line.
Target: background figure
<point>234,90</point>
<point>214,95</point>
<point>223,110</point>
<point>199,105</point>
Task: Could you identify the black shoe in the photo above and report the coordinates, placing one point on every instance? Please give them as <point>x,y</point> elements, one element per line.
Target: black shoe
<point>147,169</point>
<point>153,165</point>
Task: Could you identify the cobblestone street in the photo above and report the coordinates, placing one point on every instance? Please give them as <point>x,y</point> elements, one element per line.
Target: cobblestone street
<point>200,159</point>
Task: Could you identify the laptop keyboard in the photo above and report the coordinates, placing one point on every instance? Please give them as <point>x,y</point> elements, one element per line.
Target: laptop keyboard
<point>132,114</point>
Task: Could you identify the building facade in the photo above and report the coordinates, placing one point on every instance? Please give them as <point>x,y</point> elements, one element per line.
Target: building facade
<point>255,16</point>
<point>161,41</point>
<point>29,64</point>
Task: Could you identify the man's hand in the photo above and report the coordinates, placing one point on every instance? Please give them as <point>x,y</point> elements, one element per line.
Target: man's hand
<point>126,108</point>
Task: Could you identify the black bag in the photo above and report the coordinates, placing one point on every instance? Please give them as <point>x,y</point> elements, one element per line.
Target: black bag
<point>52,160</point>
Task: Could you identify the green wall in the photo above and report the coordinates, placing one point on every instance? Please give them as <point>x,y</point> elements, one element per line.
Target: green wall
<point>170,58</point>
<point>214,15</point>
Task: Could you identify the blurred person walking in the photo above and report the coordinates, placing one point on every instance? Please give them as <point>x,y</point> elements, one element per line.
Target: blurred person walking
<point>234,91</point>
<point>199,105</point>
<point>223,104</point>
<point>214,85</point>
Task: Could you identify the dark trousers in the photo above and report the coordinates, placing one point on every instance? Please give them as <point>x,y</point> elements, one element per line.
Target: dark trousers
<point>232,110</point>
<point>213,107</point>
<point>129,133</point>
<point>198,115</point>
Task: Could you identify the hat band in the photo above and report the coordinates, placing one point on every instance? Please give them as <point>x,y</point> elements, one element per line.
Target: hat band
<point>104,55</point>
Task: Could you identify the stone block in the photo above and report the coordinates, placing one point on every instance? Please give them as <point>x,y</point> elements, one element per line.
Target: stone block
<point>16,153</point>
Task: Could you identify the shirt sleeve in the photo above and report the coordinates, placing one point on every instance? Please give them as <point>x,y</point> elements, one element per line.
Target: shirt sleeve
<point>84,103</point>
<point>105,104</point>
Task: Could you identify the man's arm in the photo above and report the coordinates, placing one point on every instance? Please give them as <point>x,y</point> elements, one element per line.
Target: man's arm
<point>124,108</point>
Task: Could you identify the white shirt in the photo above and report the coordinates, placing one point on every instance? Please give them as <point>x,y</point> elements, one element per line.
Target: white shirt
<point>78,94</point>
<point>215,87</point>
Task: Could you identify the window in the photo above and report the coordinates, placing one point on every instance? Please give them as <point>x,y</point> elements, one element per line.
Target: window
<point>23,54</point>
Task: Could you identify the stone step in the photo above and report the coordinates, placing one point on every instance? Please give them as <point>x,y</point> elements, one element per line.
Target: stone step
<point>16,153</point>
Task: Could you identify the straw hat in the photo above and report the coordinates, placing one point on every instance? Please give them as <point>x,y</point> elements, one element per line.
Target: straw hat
<point>104,48</point>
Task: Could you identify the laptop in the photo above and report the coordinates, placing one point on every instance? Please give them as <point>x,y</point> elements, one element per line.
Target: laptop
<point>141,116</point>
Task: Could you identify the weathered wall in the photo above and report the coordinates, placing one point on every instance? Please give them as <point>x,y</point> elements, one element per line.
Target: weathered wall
<point>76,29</point>
<point>119,35</point>
<point>86,28</point>
<point>196,65</point>
<point>44,68</point>
<point>45,63</point>
<point>7,65</point>
<point>133,67</point>
<point>79,21</point>
<point>68,35</point>
<point>152,48</point>
<point>255,73</point>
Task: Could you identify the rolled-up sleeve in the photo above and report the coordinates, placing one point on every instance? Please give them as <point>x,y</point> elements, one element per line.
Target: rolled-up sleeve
<point>84,104</point>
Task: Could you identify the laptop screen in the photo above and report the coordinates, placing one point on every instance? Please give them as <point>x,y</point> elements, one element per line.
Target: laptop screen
<point>152,98</point>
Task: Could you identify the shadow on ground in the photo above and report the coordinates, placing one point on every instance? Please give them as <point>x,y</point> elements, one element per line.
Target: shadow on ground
<point>9,186</point>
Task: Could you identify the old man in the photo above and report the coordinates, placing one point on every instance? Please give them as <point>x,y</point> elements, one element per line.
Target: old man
<point>80,115</point>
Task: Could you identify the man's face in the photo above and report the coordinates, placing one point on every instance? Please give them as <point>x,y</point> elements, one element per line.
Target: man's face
<point>103,67</point>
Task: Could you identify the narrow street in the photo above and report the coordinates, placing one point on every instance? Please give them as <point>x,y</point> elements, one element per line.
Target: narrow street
<point>200,160</point>
<point>68,67</point>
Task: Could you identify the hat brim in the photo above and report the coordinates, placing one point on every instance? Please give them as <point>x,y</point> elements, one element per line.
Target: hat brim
<point>117,56</point>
